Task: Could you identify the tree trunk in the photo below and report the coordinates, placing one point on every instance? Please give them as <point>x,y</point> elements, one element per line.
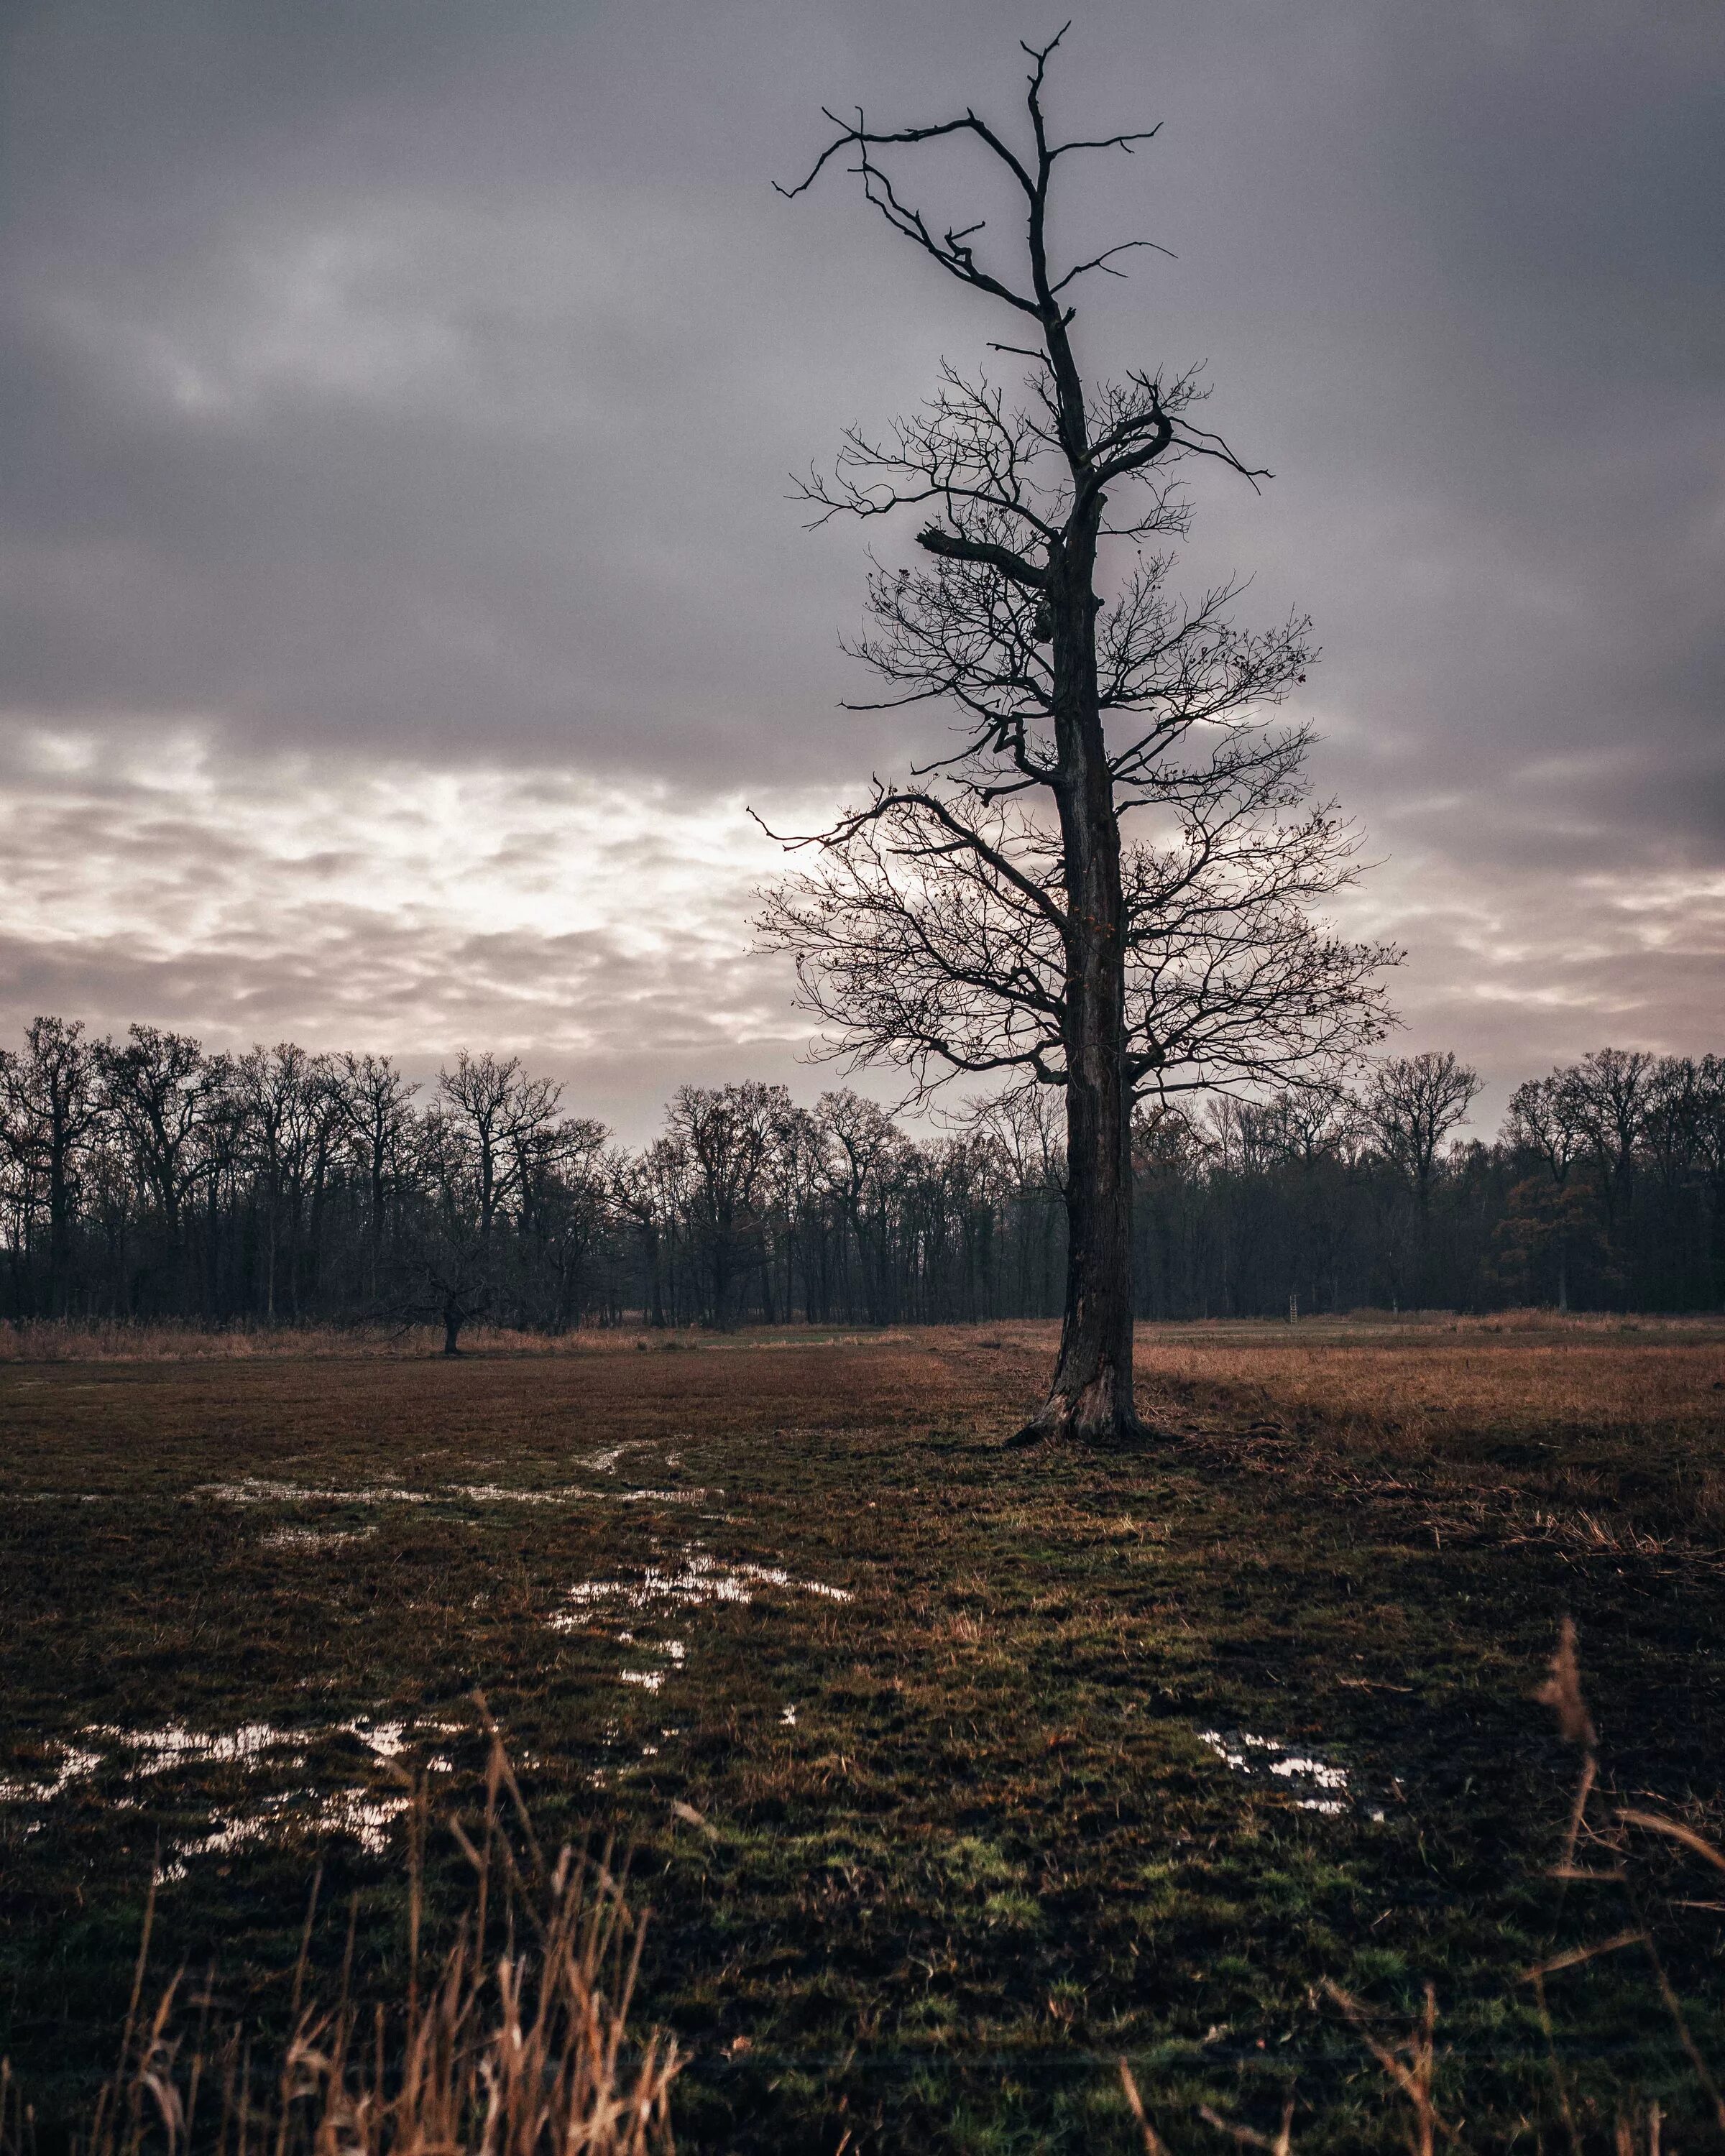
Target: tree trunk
<point>1090,1398</point>
<point>452,1321</point>
<point>377,1224</point>
<point>59,1237</point>
<point>656,1280</point>
<point>722,1255</point>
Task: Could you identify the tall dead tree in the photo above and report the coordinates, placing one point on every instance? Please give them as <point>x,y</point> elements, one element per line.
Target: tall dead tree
<point>987,915</point>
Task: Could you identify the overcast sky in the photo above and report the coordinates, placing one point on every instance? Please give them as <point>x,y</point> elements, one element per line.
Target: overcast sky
<point>401,599</point>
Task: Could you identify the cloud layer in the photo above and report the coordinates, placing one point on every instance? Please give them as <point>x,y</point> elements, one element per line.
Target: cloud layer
<point>601,931</point>
<point>399,596</point>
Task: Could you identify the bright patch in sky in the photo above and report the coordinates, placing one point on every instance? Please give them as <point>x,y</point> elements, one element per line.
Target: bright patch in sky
<point>382,906</point>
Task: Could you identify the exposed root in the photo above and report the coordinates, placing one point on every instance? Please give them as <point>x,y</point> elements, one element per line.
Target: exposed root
<point>1061,1420</point>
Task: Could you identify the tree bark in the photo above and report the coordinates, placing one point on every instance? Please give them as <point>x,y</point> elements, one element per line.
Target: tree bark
<point>655,1317</point>
<point>59,1234</point>
<point>1090,1398</point>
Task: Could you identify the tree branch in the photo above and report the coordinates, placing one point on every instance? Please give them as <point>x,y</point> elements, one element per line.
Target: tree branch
<point>952,547</point>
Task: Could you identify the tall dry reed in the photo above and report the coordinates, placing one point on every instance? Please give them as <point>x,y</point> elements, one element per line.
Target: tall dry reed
<point>1599,1847</point>
<point>512,2045</point>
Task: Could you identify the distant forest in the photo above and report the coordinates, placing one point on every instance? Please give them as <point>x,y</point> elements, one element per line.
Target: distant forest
<point>151,1180</point>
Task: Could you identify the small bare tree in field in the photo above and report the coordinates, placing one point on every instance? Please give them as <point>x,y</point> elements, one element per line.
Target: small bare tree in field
<point>991,914</point>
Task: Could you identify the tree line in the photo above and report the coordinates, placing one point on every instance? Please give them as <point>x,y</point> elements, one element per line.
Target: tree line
<point>1604,1190</point>
<point>151,1178</point>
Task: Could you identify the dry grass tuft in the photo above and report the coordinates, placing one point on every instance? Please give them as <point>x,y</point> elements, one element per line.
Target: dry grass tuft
<point>507,2048</point>
<point>1599,1847</point>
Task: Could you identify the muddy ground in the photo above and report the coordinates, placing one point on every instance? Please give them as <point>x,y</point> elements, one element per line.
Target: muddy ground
<point>1006,1764</point>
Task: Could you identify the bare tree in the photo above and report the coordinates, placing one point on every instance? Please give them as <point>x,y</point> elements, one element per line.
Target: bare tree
<point>171,1100</point>
<point>499,1110</point>
<point>1611,1090</point>
<point>377,1108</point>
<point>565,1177</point>
<point>647,1189</point>
<point>792,1188</point>
<point>1412,1104</point>
<point>1544,1119</point>
<point>450,1271</point>
<point>292,1113</point>
<point>860,1152</point>
<point>1680,1105</point>
<point>51,1105</point>
<point>725,1134</point>
<point>1025,1129</point>
<point>987,915</point>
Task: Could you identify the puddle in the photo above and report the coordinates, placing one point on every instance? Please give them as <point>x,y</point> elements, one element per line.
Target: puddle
<point>313,1539</point>
<point>300,1814</point>
<point>1315,1785</point>
<point>605,1462</point>
<point>75,1766</point>
<point>254,1489</point>
<point>497,1493</point>
<point>774,1577</point>
<point>156,1751</point>
<point>699,1578</point>
<point>141,1755</point>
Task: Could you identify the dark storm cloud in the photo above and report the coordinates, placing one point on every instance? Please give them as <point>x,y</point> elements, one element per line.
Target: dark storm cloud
<point>416,383</point>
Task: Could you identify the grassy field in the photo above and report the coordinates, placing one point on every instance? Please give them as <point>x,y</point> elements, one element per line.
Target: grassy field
<point>937,1762</point>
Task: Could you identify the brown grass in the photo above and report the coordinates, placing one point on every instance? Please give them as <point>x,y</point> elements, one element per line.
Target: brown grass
<point>126,1340</point>
<point>1601,1439</point>
<point>1414,1392</point>
<point>121,1340</point>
